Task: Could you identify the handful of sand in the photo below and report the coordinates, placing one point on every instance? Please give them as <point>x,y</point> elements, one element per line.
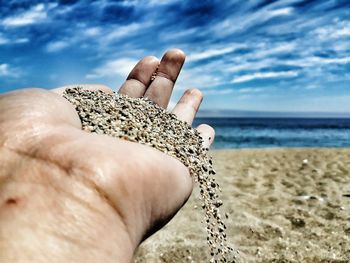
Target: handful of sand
<point>141,120</point>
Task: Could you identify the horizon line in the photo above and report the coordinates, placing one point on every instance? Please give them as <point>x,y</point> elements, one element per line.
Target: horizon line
<point>269,114</point>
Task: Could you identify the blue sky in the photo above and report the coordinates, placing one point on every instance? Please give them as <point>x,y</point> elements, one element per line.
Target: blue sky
<point>258,55</point>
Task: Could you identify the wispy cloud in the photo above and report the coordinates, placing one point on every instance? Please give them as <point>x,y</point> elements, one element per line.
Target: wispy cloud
<point>34,15</point>
<point>239,92</point>
<point>338,29</point>
<point>7,71</point>
<point>236,49</point>
<point>112,68</point>
<point>8,40</point>
<point>281,11</point>
<point>250,90</point>
<point>212,53</point>
<point>317,61</point>
<point>122,31</point>
<point>218,92</point>
<point>264,75</point>
<point>56,46</point>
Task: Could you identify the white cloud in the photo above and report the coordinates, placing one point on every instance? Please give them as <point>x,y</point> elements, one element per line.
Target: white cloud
<point>178,34</point>
<point>337,30</point>
<point>218,91</point>
<point>92,31</point>
<point>56,46</point>
<point>7,71</point>
<point>244,22</point>
<point>265,75</point>
<point>312,86</point>
<point>344,60</point>
<point>343,32</point>
<point>244,91</point>
<point>21,40</point>
<point>281,12</point>
<point>255,65</point>
<point>4,69</point>
<point>197,78</point>
<point>4,40</point>
<point>250,90</point>
<point>123,31</point>
<point>34,15</point>
<point>120,67</point>
<point>317,61</point>
<point>157,2</point>
<point>263,56</point>
<point>211,53</point>
<point>268,50</point>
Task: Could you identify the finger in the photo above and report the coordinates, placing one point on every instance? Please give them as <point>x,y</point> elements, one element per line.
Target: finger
<point>92,87</point>
<point>169,68</point>
<point>187,107</point>
<point>207,133</point>
<point>140,77</point>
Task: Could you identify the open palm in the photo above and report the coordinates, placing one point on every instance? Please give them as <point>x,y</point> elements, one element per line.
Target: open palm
<point>82,197</point>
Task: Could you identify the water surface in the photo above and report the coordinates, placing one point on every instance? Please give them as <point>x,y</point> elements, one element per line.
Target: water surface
<point>278,132</point>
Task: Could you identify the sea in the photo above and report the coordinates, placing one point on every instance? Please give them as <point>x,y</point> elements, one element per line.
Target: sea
<point>232,133</point>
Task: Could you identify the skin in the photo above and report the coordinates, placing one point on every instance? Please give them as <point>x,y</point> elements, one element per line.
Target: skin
<point>71,196</point>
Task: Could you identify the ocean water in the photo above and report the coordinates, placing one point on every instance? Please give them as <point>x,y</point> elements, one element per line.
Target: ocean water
<point>278,132</point>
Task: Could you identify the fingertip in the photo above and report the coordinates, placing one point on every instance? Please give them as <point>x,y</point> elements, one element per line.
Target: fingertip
<point>166,75</point>
<point>187,107</point>
<point>174,56</point>
<point>207,133</point>
<point>195,93</point>
<point>150,60</point>
<point>175,52</point>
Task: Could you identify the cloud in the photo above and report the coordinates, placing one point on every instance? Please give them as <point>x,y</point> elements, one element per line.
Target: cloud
<point>248,22</point>
<point>211,53</point>
<point>157,2</point>
<point>56,46</point>
<point>339,29</point>
<point>317,61</point>
<point>281,12</point>
<point>92,31</point>
<point>264,75</point>
<point>250,90</point>
<point>111,68</point>
<point>218,91</point>
<point>7,71</point>
<point>234,47</point>
<point>36,14</point>
<point>20,40</point>
<point>4,40</point>
<point>122,31</point>
<point>244,91</point>
<point>199,77</point>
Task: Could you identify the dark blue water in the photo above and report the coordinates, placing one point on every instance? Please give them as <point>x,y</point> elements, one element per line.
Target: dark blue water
<point>278,132</point>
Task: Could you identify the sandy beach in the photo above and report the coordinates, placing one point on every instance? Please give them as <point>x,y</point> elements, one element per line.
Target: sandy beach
<point>283,205</point>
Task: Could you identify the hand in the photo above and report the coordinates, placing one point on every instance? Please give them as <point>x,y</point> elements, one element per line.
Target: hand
<point>70,196</point>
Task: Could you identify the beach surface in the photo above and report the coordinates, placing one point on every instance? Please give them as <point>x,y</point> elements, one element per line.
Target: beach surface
<point>283,205</point>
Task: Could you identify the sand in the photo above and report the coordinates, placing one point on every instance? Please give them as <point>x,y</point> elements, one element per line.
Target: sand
<point>143,121</point>
<point>283,205</point>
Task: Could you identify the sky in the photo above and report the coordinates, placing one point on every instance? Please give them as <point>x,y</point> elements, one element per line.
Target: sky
<point>252,55</point>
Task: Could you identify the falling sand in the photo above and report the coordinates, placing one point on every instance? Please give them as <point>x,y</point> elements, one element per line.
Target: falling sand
<point>141,120</point>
